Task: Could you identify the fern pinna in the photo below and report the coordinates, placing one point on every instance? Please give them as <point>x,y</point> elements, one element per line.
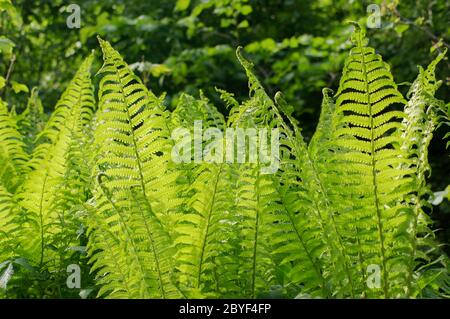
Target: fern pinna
<point>344,215</point>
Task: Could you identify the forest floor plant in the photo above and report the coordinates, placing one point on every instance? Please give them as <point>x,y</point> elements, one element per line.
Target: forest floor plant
<point>343,216</point>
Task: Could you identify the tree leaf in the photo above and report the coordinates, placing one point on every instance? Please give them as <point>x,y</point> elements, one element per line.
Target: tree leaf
<point>19,87</point>
<point>6,45</point>
<point>182,5</point>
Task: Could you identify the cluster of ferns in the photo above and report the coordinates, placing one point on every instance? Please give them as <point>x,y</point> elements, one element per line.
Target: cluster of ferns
<point>344,216</point>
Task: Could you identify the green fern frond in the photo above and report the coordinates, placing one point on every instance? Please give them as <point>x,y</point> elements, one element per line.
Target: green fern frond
<point>324,129</point>
<point>204,234</point>
<point>417,131</point>
<point>13,156</point>
<point>311,168</point>
<point>190,109</point>
<point>308,257</point>
<point>228,98</point>
<point>31,121</point>
<point>369,187</point>
<point>134,128</point>
<point>40,215</point>
<point>77,102</point>
<point>139,244</point>
<point>134,143</point>
<point>7,227</point>
<point>223,248</point>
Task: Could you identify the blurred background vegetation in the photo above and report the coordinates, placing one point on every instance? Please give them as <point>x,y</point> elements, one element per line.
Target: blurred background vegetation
<point>175,46</point>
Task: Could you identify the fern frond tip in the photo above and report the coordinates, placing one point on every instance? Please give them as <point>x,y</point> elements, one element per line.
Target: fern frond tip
<point>243,61</point>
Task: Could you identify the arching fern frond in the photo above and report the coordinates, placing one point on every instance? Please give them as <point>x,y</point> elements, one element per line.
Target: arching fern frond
<point>189,110</point>
<point>134,160</point>
<point>13,156</point>
<point>313,210</point>
<point>31,121</point>
<point>7,227</point>
<point>133,117</point>
<point>41,217</point>
<point>205,234</point>
<point>369,188</point>
<point>417,131</point>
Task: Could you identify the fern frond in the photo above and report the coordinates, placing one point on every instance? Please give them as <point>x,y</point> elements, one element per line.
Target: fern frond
<point>369,187</point>
<point>417,131</point>
<point>310,166</point>
<point>134,122</point>
<point>223,248</point>
<point>134,143</point>
<point>205,234</point>
<point>287,215</point>
<point>7,227</point>
<point>13,156</point>
<point>324,130</point>
<point>31,121</point>
<point>136,237</point>
<point>189,110</point>
<point>40,214</point>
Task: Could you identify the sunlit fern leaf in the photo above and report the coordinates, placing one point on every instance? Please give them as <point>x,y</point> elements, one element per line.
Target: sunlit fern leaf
<point>40,216</point>
<point>77,101</point>
<point>304,241</point>
<point>7,227</point>
<point>129,248</point>
<point>324,130</point>
<point>258,203</point>
<point>368,187</point>
<point>5,275</point>
<point>138,186</point>
<point>192,116</point>
<point>256,206</point>
<point>417,131</point>
<point>112,273</point>
<point>189,110</point>
<point>205,234</point>
<point>32,120</point>
<point>13,156</point>
<point>219,254</point>
<point>314,211</point>
<point>133,127</point>
<point>310,255</point>
<point>228,98</point>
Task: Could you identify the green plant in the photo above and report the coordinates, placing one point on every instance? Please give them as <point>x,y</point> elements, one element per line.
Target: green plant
<point>350,203</point>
